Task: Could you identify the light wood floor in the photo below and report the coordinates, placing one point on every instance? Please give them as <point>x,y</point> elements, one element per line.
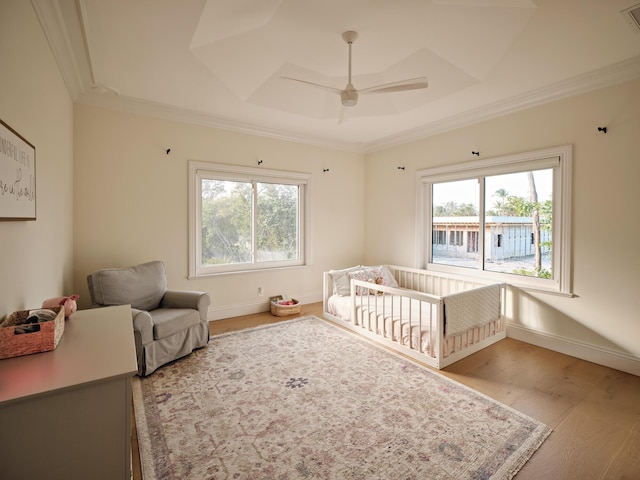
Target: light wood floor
<point>594,411</point>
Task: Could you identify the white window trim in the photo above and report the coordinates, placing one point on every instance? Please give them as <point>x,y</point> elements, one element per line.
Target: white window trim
<point>558,157</point>
<point>199,169</point>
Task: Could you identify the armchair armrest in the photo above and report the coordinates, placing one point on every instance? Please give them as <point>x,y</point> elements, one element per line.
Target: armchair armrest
<point>143,325</point>
<point>187,299</point>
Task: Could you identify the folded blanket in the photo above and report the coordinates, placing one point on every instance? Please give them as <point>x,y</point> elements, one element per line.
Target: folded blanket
<point>472,308</point>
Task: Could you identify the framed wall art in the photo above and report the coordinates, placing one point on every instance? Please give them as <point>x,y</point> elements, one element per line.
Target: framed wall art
<point>17,176</point>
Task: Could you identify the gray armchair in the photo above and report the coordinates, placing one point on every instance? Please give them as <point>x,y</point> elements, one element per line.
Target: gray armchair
<point>167,324</point>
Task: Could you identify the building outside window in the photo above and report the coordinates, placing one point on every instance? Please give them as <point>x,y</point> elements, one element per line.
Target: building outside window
<point>506,218</point>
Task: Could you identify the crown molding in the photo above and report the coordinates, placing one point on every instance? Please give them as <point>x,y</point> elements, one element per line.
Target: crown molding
<point>168,112</point>
<point>51,20</point>
<point>614,74</point>
<point>624,71</point>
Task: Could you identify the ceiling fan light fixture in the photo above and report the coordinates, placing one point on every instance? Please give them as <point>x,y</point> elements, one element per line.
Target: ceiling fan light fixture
<point>349,98</point>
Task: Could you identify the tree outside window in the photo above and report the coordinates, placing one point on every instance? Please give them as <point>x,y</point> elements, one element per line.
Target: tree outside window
<point>507,218</point>
<point>245,219</point>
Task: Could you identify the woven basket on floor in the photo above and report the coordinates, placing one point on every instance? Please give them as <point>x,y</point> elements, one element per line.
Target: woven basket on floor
<point>283,310</point>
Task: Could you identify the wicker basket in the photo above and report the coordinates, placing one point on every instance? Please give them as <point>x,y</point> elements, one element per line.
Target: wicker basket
<point>13,343</point>
<point>283,310</point>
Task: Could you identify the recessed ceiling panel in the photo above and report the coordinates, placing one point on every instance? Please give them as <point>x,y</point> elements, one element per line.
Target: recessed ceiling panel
<point>248,50</point>
<point>228,18</point>
<point>306,100</point>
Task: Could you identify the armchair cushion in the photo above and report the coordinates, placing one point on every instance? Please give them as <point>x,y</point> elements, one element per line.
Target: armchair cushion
<point>141,286</point>
<point>167,321</point>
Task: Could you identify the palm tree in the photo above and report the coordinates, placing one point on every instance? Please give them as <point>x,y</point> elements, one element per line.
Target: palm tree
<point>503,205</point>
<point>531,208</point>
<point>535,215</point>
<point>500,204</point>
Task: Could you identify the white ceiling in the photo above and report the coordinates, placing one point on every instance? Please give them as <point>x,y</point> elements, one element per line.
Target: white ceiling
<point>219,62</point>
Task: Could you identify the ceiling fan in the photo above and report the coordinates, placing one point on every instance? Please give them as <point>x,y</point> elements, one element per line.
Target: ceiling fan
<point>349,95</point>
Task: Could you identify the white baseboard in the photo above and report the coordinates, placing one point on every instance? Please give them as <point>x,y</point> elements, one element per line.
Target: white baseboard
<point>624,362</point>
<point>220,313</point>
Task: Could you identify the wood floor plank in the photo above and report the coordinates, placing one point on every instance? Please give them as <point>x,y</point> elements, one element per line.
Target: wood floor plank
<point>584,443</point>
<point>625,465</point>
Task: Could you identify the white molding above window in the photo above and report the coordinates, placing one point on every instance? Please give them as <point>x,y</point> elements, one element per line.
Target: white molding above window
<point>557,158</point>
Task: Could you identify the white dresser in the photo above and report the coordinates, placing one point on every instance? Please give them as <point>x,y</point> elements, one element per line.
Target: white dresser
<point>66,414</point>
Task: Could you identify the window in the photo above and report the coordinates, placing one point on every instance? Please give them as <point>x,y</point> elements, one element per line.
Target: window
<point>455,238</point>
<point>455,215</point>
<point>439,237</point>
<point>472,242</point>
<point>513,213</point>
<point>244,218</point>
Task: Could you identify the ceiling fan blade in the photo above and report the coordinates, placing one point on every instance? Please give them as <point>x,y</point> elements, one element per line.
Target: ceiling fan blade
<point>317,85</point>
<point>344,115</point>
<point>402,85</point>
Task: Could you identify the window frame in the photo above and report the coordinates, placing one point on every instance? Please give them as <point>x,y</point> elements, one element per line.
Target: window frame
<point>199,170</point>
<point>557,158</point>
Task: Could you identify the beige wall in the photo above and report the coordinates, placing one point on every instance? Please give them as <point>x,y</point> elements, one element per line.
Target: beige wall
<point>604,316</point>
<point>131,203</point>
<point>36,256</point>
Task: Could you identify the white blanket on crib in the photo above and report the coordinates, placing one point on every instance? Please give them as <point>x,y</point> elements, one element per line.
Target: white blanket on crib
<point>469,309</point>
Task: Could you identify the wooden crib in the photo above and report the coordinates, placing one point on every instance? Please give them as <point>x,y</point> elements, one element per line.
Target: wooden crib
<point>432,317</point>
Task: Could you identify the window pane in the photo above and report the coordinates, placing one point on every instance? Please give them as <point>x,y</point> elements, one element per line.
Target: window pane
<point>226,222</point>
<point>277,222</point>
<point>455,223</point>
<point>518,210</point>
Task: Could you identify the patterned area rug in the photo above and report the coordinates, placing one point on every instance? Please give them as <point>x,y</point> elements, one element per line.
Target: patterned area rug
<point>304,399</point>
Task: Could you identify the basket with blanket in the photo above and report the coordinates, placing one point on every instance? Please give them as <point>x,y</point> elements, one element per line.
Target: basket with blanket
<point>31,331</point>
